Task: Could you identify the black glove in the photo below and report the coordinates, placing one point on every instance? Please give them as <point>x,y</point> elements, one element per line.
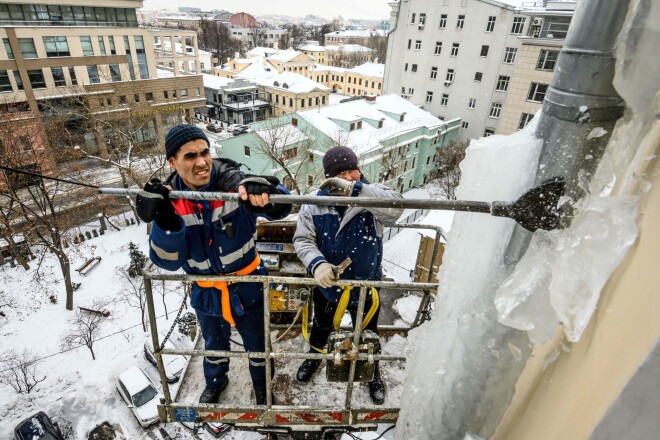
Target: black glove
<point>257,185</point>
<point>153,203</point>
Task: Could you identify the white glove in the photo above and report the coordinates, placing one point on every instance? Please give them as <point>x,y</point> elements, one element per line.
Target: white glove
<point>325,274</point>
<point>337,186</point>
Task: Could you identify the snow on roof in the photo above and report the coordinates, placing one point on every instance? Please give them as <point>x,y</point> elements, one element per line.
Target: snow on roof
<point>262,51</point>
<point>134,380</point>
<point>370,69</point>
<point>349,48</point>
<point>318,67</point>
<point>313,48</point>
<point>268,76</point>
<point>282,135</point>
<point>359,33</point>
<point>284,55</point>
<point>369,137</point>
<point>215,82</point>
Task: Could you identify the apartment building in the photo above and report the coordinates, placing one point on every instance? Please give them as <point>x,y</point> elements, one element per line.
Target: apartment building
<point>235,101</point>
<point>86,61</point>
<point>457,58</point>
<point>395,141</point>
<point>363,80</point>
<point>348,55</point>
<point>361,37</point>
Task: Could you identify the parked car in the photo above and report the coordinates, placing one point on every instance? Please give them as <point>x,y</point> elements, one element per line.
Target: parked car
<point>232,127</point>
<point>241,129</point>
<point>140,394</point>
<point>38,427</point>
<point>173,364</point>
<point>214,128</point>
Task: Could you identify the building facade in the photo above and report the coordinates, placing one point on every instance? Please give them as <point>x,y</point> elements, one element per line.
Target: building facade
<point>363,80</point>
<point>86,62</point>
<point>235,101</point>
<point>457,58</point>
<point>395,141</point>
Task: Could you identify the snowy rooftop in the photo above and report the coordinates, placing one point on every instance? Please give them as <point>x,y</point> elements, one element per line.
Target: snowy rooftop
<point>284,55</point>
<point>282,135</point>
<point>349,48</point>
<point>313,48</point>
<point>319,67</point>
<point>369,137</point>
<point>215,82</point>
<point>267,76</point>
<point>359,33</point>
<point>260,51</point>
<point>370,69</point>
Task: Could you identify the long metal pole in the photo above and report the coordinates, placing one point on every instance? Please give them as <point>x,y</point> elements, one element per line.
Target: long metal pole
<point>367,202</point>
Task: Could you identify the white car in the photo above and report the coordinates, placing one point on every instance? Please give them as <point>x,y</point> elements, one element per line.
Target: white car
<point>140,394</point>
<point>174,364</point>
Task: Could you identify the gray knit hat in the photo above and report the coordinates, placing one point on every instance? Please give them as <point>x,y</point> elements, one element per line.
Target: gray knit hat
<point>339,159</point>
<point>179,135</point>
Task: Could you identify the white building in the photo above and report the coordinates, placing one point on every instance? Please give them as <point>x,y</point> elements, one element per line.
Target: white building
<point>456,58</point>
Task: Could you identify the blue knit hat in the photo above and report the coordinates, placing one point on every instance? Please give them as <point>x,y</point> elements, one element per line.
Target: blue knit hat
<point>179,135</point>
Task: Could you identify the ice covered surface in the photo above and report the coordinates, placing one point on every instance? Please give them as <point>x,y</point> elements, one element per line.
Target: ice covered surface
<point>560,277</point>
<point>463,361</point>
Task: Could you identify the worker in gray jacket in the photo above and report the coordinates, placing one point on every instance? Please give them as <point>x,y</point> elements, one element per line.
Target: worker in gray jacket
<point>327,235</point>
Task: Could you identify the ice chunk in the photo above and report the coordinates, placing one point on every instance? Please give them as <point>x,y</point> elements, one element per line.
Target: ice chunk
<point>596,133</point>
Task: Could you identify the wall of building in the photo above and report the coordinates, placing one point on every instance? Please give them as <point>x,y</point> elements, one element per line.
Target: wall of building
<point>526,73</point>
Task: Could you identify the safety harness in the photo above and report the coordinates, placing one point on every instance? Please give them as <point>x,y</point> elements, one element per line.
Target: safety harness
<point>339,313</point>
<point>223,287</point>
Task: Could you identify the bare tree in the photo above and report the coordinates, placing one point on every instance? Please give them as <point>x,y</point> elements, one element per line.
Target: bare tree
<point>19,370</point>
<point>133,293</point>
<point>258,35</point>
<point>291,149</point>
<point>216,38</point>
<point>86,326</point>
<point>448,174</point>
<point>379,44</point>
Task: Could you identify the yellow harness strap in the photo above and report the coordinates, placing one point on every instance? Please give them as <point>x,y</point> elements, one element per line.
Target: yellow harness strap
<point>223,287</point>
<point>339,313</point>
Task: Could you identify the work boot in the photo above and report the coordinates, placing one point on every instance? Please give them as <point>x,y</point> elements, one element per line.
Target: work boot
<point>307,369</point>
<point>376,388</point>
<point>211,395</point>
<point>260,396</point>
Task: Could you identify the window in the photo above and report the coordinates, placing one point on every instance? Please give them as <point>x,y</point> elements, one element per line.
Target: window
<point>72,75</point>
<point>58,76</point>
<point>5,83</point>
<point>183,93</point>
<point>149,96</point>
<point>310,180</point>
<point>294,122</point>
<point>510,55</point>
<point>19,81</point>
<point>454,49</point>
<point>413,18</point>
<point>352,126</point>
<point>166,94</point>
<point>409,43</point>
<point>547,60</point>
<point>246,150</point>
<point>115,74</point>
<point>86,43</point>
<point>445,99</point>
<point>122,99</point>
<point>93,73</point>
<point>111,41</point>
<point>524,120</point>
<point>537,92</point>
<point>495,109</point>
<point>10,52</point>
<point>141,57</point>
<point>359,125</point>
<point>478,76</point>
<point>438,48</point>
<point>489,132</point>
<point>434,72</point>
<point>102,45</point>
<point>56,47</point>
<point>518,24</point>
<point>418,44</point>
<point>411,91</point>
<point>484,51</point>
<point>502,83</point>
<point>402,117</point>
<point>37,80</point>
<point>450,76</point>
<point>491,24</point>
<point>460,22</point>
<point>27,47</point>
<point>413,68</point>
<point>290,153</point>
<point>422,19</point>
<point>472,103</point>
<point>429,96</point>
<point>443,21</point>
<point>136,98</point>
<point>464,124</point>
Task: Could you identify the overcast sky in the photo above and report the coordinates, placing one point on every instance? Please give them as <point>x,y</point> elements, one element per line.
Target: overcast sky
<point>369,9</point>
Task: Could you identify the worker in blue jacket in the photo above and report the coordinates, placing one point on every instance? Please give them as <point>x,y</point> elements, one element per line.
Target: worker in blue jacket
<point>326,235</point>
<point>210,238</point>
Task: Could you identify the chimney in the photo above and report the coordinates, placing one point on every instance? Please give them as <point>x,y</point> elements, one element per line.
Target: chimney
<point>370,99</point>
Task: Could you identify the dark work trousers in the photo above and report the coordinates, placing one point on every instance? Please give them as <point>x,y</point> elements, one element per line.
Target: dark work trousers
<point>324,313</point>
<point>216,332</point>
